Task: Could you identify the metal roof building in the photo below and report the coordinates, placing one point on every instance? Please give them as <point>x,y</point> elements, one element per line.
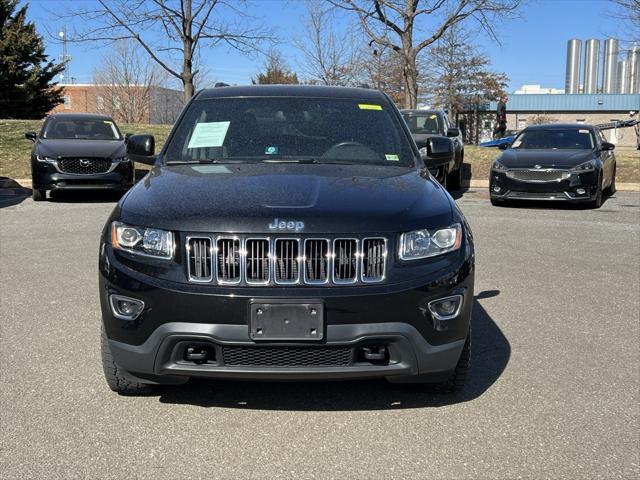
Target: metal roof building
<point>594,102</point>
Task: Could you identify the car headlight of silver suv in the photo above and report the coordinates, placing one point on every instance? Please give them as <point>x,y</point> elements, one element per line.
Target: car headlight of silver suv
<point>430,243</point>
<point>589,166</point>
<point>148,242</point>
<point>45,159</point>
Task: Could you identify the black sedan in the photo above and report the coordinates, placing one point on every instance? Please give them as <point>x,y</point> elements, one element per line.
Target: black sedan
<point>79,151</point>
<point>566,162</point>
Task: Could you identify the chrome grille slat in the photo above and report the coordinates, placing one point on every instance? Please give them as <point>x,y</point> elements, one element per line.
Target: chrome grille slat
<point>228,260</point>
<point>287,260</point>
<point>345,260</point>
<point>316,261</point>
<point>374,254</point>
<point>199,259</point>
<point>257,269</point>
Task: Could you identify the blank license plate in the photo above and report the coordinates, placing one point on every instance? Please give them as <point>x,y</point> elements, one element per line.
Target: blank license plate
<point>286,321</point>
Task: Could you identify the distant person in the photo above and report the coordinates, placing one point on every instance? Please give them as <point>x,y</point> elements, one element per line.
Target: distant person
<point>501,117</point>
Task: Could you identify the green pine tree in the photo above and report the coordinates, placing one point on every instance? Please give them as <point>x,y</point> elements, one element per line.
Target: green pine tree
<point>27,89</point>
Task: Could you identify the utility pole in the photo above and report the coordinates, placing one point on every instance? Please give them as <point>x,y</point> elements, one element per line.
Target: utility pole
<point>66,58</point>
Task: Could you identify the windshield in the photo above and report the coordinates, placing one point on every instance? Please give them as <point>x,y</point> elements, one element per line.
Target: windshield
<point>290,129</point>
<point>560,139</point>
<point>422,123</point>
<point>81,129</point>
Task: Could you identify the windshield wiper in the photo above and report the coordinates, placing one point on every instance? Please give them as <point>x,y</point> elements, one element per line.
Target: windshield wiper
<point>305,161</point>
<point>201,161</point>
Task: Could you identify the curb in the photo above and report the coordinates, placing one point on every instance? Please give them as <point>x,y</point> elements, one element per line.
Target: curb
<point>621,187</point>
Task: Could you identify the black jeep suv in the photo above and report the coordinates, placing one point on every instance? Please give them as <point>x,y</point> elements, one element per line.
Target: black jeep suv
<point>285,233</point>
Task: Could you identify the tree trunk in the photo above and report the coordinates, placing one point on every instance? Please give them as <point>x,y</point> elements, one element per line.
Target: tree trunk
<point>187,83</point>
<point>410,75</point>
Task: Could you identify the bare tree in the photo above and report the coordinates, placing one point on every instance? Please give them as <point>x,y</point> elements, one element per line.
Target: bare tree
<point>329,57</point>
<point>395,24</point>
<point>381,68</point>
<point>629,12</point>
<point>458,74</point>
<point>170,31</point>
<point>124,81</point>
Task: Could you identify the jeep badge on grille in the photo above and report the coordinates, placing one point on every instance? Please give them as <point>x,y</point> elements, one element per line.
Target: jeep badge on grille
<point>286,225</point>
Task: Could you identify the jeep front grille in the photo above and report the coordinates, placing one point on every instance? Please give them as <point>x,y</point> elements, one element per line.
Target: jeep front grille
<point>285,261</point>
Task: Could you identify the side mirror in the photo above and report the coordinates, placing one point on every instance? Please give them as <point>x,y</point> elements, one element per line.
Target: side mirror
<point>607,146</point>
<point>141,148</point>
<point>504,145</point>
<point>438,151</point>
<point>31,136</point>
<point>453,132</point>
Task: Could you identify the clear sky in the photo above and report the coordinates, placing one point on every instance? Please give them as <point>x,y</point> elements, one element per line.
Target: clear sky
<point>532,49</point>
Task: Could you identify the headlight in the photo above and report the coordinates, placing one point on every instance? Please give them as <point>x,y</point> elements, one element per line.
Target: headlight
<point>497,166</point>
<point>44,158</point>
<point>424,243</point>
<point>589,166</point>
<point>150,242</point>
<point>120,159</point>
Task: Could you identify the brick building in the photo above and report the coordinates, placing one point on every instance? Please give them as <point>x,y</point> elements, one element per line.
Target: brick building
<point>155,105</point>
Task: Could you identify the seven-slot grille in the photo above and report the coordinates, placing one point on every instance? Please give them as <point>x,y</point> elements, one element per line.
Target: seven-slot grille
<point>84,166</point>
<point>285,261</point>
<point>538,176</point>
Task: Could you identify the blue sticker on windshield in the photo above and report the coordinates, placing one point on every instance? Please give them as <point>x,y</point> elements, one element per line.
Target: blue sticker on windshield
<point>271,151</point>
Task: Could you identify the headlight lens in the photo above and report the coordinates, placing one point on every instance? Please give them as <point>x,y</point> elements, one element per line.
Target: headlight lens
<point>150,242</point>
<point>424,243</point>
<point>499,167</point>
<point>589,166</point>
<point>44,158</point>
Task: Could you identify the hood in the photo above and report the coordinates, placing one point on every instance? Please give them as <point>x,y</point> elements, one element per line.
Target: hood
<point>80,148</point>
<point>514,158</point>
<point>248,197</point>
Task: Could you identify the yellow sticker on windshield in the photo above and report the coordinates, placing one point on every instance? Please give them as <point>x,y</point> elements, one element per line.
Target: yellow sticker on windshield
<point>369,106</point>
<point>392,157</point>
<point>107,122</point>
<point>433,116</point>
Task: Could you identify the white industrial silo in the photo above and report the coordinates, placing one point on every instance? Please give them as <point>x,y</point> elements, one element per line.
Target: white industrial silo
<point>623,77</point>
<point>591,61</point>
<point>610,66</point>
<point>572,79</point>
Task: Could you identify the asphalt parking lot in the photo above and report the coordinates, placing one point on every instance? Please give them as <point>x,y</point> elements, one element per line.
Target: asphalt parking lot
<point>553,391</point>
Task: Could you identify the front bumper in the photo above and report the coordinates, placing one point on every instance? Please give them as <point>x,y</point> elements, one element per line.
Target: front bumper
<point>576,188</point>
<point>177,316</point>
<point>46,177</point>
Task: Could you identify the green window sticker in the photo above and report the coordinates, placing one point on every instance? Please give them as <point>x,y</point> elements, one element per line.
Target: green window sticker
<point>208,134</point>
<point>270,150</point>
<point>392,157</point>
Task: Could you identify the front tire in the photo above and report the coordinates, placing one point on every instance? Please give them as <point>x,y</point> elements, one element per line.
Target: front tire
<point>454,178</point>
<point>38,195</point>
<point>597,202</point>
<point>611,189</point>
<point>116,378</point>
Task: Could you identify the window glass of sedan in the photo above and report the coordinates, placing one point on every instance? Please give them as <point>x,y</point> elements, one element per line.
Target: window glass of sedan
<point>555,139</point>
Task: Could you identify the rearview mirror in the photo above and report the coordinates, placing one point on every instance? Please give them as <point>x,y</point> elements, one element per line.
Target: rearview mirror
<point>453,132</point>
<point>141,148</point>
<point>607,146</point>
<point>31,136</point>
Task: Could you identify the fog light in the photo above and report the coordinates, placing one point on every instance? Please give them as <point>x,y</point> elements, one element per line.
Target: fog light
<point>125,308</point>
<point>581,191</point>
<point>446,308</point>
